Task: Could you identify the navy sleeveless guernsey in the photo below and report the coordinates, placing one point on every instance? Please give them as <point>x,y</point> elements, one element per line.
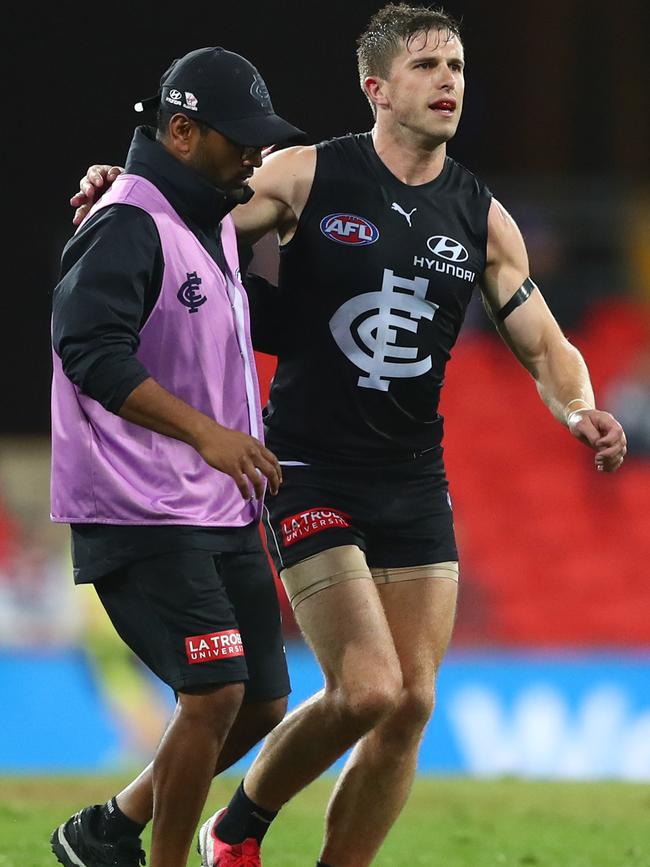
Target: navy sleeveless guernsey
<point>374,287</point>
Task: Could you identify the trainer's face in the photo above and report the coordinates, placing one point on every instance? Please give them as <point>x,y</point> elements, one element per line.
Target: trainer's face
<point>224,163</point>
<point>424,90</point>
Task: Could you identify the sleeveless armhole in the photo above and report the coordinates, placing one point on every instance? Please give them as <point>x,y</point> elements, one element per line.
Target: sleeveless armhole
<point>486,193</point>
<point>306,211</point>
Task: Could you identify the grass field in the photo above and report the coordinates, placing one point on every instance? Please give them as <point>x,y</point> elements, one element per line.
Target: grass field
<point>447,823</point>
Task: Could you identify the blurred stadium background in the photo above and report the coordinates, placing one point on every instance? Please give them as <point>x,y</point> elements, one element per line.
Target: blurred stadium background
<point>549,671</point>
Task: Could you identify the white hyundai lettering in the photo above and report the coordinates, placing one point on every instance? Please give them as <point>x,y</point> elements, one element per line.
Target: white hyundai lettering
<point>447,248</point>
<point>381,358</point>
<point>444,268</point>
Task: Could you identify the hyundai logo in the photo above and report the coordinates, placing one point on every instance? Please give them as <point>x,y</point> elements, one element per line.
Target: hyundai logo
<point>447,248</point>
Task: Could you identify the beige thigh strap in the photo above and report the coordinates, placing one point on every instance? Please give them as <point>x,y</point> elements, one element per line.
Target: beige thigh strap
<point>411,573</point>
<point>322,570</point>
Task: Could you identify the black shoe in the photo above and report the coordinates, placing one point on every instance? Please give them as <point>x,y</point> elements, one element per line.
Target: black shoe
<point>75,844</point>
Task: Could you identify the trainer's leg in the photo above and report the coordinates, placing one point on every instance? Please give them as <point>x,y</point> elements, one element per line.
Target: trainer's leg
<point>254,721</point>
<point>346,626</point>
<point>378,776</point>
<point>183,768</point>
<point>248,581</point>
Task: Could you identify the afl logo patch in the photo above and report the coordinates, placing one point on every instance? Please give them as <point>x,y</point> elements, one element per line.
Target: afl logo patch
<point>349,229</point>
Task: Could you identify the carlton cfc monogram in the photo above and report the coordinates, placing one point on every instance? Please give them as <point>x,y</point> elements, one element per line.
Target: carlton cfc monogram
<point>373,320</point>
<point>189,293</point>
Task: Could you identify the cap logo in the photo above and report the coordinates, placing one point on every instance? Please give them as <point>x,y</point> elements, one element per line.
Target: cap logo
<point>259,91</point>
<point>190,101</point>
<point>174,97</point>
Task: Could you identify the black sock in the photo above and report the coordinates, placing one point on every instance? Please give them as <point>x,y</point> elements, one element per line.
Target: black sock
<point>113,824</point>
<point>243,819</point>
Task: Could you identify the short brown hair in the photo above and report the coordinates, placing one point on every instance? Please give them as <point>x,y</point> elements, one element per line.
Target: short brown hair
<point>393,25</point>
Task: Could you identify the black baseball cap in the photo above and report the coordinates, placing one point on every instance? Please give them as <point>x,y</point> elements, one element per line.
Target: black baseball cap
<point>225,91</point>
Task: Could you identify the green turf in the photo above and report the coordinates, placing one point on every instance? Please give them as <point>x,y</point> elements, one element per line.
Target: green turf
<point>447,823</point>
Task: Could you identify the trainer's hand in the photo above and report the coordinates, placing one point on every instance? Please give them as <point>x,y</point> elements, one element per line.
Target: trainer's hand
<point>600,431</point>
<point>243,458</point>
<point>96,181</point>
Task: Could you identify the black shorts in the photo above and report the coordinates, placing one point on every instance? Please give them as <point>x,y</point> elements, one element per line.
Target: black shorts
<point>197,618</point>
<point>399,513</point>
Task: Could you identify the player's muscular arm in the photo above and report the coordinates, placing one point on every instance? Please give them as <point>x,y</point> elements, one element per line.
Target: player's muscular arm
<point>282,185</point>
<point>532,333</point>
<point>530,330</point>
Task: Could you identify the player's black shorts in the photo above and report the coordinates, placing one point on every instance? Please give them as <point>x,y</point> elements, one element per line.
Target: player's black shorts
<point>197,618</point>
<point>398,513</point>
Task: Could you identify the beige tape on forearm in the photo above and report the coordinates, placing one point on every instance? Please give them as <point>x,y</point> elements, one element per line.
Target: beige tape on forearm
<point>568,412</point>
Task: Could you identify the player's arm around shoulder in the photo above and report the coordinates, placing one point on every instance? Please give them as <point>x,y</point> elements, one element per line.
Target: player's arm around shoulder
<point>528,327</point>
<point>282,185</point>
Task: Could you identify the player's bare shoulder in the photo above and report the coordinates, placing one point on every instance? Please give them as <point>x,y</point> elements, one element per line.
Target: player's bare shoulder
<point>282,185</point>
<point>288,175</point>
<point>507,259</point>
<point>503,232</point>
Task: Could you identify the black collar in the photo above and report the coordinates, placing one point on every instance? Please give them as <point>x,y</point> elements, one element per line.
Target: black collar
<point>189,194</point>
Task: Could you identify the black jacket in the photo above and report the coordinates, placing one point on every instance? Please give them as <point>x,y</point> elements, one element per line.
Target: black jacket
<point>111,275</point>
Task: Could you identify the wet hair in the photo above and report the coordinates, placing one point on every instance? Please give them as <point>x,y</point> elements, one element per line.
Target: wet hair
<point>392,27</point>
<point>165,115</point>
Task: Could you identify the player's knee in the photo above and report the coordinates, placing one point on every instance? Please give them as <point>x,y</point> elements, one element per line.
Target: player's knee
<point>417,704</point>
<point>411,715</point>
<point>366,708</point>
<point>367,703</point>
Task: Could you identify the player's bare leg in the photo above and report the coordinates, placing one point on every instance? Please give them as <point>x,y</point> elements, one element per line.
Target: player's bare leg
<point>346,627</point>
<point>253,722</point>
<point>375,783</point>
<point>183,768</point>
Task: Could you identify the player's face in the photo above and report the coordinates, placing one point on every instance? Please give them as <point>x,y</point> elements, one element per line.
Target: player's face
<point>426,85</point>
<point>224,163</point>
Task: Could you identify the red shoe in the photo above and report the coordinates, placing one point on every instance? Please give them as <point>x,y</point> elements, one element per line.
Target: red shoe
<point>215,853</point>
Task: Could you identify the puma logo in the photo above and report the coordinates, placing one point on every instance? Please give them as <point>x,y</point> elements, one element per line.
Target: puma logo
<point>400,210</point>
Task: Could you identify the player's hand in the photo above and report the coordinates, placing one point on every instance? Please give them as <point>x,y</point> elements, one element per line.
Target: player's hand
<point>96,181</point>
<point>600,431</point>
<point>243,458</point>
